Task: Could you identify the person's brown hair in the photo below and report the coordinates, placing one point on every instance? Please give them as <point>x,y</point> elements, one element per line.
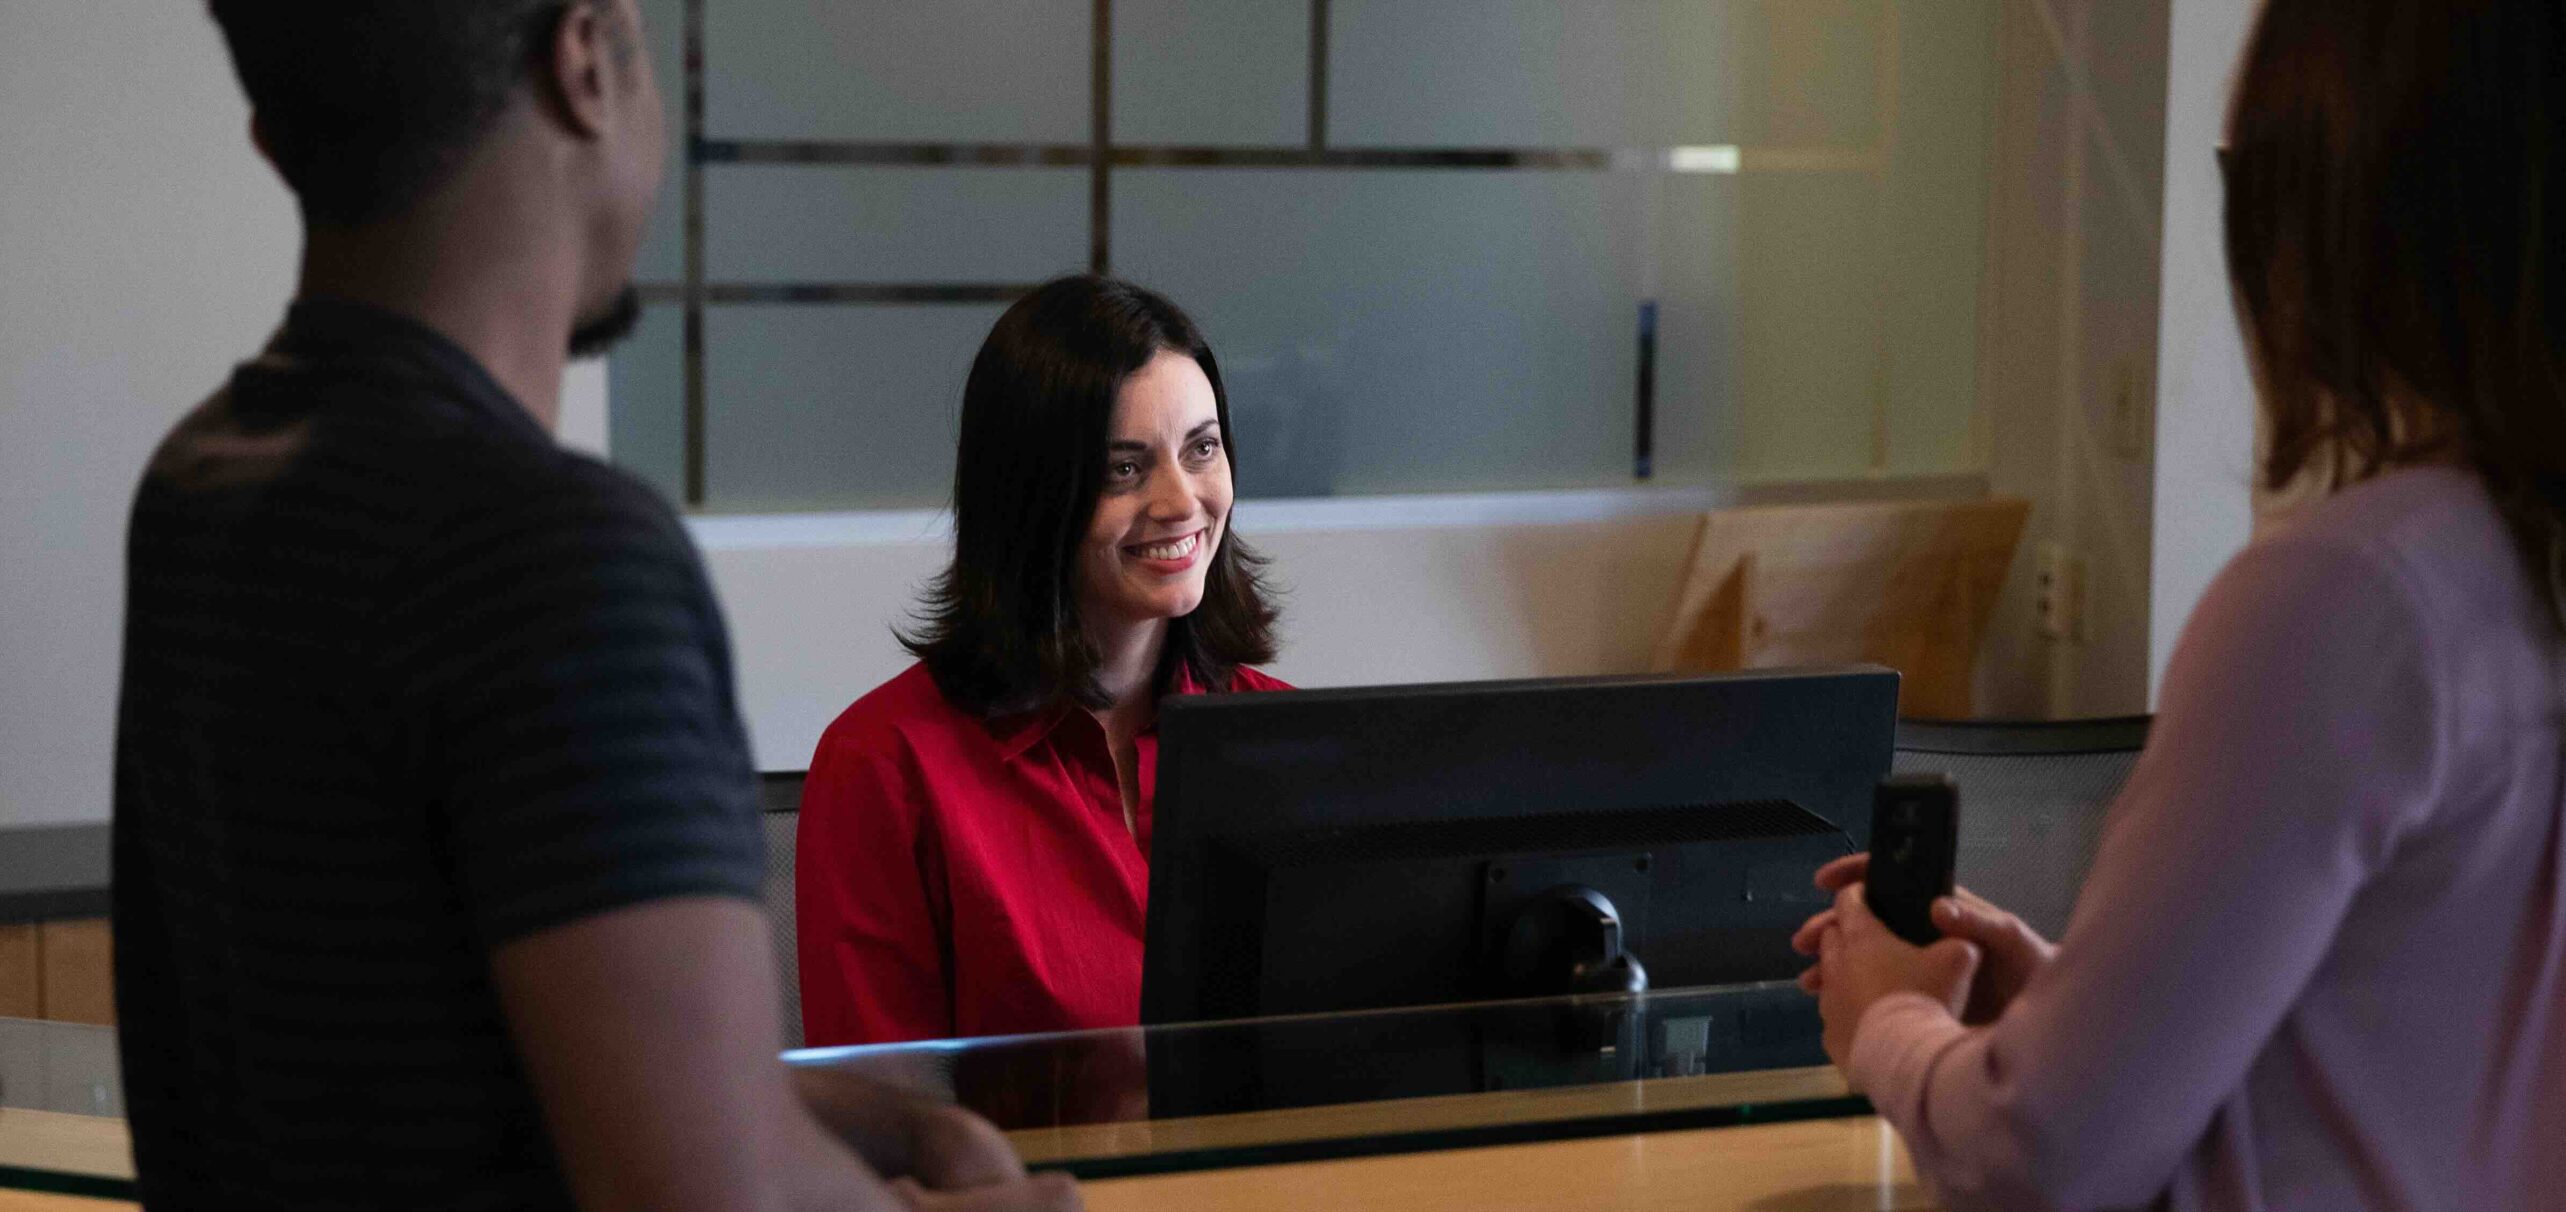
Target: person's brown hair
<point>2396,229</point>
<point>1000,630</point>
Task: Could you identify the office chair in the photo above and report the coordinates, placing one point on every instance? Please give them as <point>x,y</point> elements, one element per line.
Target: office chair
<point>782,797</point>
<point>2032,800</point>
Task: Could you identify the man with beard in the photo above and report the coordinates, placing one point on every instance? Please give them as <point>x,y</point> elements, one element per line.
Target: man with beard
<point>436,844</point>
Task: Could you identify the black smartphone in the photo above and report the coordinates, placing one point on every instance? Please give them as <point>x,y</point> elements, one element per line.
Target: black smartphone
<point>1915,837</point>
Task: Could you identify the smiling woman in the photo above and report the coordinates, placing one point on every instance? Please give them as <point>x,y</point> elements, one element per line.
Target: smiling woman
<point>974,841</point>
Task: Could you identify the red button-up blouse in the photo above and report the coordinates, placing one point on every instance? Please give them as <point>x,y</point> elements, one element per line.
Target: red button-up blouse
<point>958,877</point>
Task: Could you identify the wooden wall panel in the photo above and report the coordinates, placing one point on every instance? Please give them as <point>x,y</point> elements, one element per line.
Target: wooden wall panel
<point>79,984</point>
<point>21,989</point>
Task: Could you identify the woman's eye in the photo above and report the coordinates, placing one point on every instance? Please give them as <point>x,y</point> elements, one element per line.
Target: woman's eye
<point>1207,448</point>
<point>1123,470</point>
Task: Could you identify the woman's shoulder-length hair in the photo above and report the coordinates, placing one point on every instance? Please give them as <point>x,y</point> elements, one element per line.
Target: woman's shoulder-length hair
<point>999,629</point>
<point>2396,240</point>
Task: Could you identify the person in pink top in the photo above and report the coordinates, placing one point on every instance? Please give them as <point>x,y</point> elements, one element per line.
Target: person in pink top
<point>2320,961</point>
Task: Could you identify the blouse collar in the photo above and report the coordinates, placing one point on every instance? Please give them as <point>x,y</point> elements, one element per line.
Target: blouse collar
<point>1017,733</point>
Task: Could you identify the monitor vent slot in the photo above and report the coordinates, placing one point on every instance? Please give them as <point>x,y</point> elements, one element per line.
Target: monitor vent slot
<point>1548,833</point>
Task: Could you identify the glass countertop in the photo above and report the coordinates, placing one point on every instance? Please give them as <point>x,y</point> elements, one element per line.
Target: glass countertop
<point>1253,1091</point>
<point>62,1108</point>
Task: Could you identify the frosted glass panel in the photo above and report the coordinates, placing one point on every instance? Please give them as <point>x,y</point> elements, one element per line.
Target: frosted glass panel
<point>1937,243</point>
<point>1212,72</point>
<point>898,70</point>
<point>836,406</point>
<point>1810,294</point>
<point>1403,331</point>
<point>813,224</point>
<point>1816,256</point>
<point>1532,73</point>
<point>1693,229</point>
<point>646,401</point>
<point>1809,71</point>
<point>663,250</point>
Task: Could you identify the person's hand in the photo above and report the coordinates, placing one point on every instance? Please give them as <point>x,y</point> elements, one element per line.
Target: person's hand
<point>951,1149</point>
<point>1860,962</point>
<point>2010,950</point>
<point>1052,1192</point>
<point>1834,877</point>
<point>906,1132</point>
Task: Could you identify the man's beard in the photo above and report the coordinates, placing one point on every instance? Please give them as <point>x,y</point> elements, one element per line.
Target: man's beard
<point>594,334</point>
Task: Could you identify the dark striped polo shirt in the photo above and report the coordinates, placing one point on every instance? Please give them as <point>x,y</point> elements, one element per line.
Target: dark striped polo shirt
<point>403,681</point>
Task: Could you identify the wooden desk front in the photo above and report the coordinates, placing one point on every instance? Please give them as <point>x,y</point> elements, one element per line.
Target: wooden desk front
<point>1824,1165</point>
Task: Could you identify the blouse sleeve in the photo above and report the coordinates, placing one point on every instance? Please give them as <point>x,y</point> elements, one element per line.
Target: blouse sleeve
<point>869,900</point>
<point>2299,736</point>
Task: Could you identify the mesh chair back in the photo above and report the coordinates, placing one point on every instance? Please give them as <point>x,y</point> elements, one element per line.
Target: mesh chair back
<point>783,796</point>
<point>2032,799</point>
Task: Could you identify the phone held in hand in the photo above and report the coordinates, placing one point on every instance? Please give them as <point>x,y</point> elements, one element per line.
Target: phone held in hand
<point>1915,838</point>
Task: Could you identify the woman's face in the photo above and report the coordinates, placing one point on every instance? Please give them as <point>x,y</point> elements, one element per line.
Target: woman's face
<point>1166,499</point>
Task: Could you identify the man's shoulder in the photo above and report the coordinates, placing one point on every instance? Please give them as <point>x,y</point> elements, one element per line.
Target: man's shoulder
<point>578,491</point>
<point>481,493</point>
<point>374,450</point>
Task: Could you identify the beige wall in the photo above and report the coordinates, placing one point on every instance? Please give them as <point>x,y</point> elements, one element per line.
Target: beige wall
<point>2069,339</point>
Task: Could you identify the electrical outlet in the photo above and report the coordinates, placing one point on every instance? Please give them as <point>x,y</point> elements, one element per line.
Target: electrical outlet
<point>2133,414</point>
<point>2061,591</point>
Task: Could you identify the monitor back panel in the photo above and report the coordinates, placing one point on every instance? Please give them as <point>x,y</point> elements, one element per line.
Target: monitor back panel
<point>1368,827</point>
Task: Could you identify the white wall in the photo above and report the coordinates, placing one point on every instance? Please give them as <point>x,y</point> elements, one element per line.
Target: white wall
<point>1376,591</point>
<point>2205,411</point>
<point>143,249</point>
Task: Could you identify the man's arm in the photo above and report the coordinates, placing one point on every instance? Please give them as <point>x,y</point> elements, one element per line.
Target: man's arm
<point>903,1134</point>
<point>648,1033</point>
<point>647,1036</point>
<point>566,689</point>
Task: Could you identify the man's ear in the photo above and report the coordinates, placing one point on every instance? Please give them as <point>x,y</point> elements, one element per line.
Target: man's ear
<point>577,73</point>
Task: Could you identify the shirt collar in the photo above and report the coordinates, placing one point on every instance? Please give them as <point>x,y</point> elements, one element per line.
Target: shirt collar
<point>1017,733</point>
<point>347,334</point>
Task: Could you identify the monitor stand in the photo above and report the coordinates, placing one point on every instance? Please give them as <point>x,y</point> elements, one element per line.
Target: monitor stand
<point>1557,933</point>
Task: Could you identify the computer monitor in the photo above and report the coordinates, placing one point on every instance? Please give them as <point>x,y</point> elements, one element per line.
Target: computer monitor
<point>1355,849</point>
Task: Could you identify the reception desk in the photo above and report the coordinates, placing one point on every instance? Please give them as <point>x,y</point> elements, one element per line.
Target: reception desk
<point>1698,1099</point>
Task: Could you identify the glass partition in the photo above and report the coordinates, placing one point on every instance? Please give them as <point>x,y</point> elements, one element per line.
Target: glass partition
<point>1208,1095</point>
<point>1192,1096</point>
<point>1438,244</point>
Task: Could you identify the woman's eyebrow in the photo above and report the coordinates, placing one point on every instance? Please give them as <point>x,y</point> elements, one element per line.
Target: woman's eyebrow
<point>1135,444</point>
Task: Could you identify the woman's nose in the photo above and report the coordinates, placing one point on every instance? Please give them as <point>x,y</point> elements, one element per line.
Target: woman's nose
<point>1171,496</point>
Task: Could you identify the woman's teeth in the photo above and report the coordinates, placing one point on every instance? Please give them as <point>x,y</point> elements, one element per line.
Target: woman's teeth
<point>1177,550</point>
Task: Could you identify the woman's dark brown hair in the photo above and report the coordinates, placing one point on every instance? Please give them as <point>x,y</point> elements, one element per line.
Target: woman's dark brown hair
<point>2396,237</point>
<point>999,629</point>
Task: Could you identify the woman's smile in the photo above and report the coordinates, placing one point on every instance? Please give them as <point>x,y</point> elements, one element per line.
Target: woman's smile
<point>1168,557</point>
